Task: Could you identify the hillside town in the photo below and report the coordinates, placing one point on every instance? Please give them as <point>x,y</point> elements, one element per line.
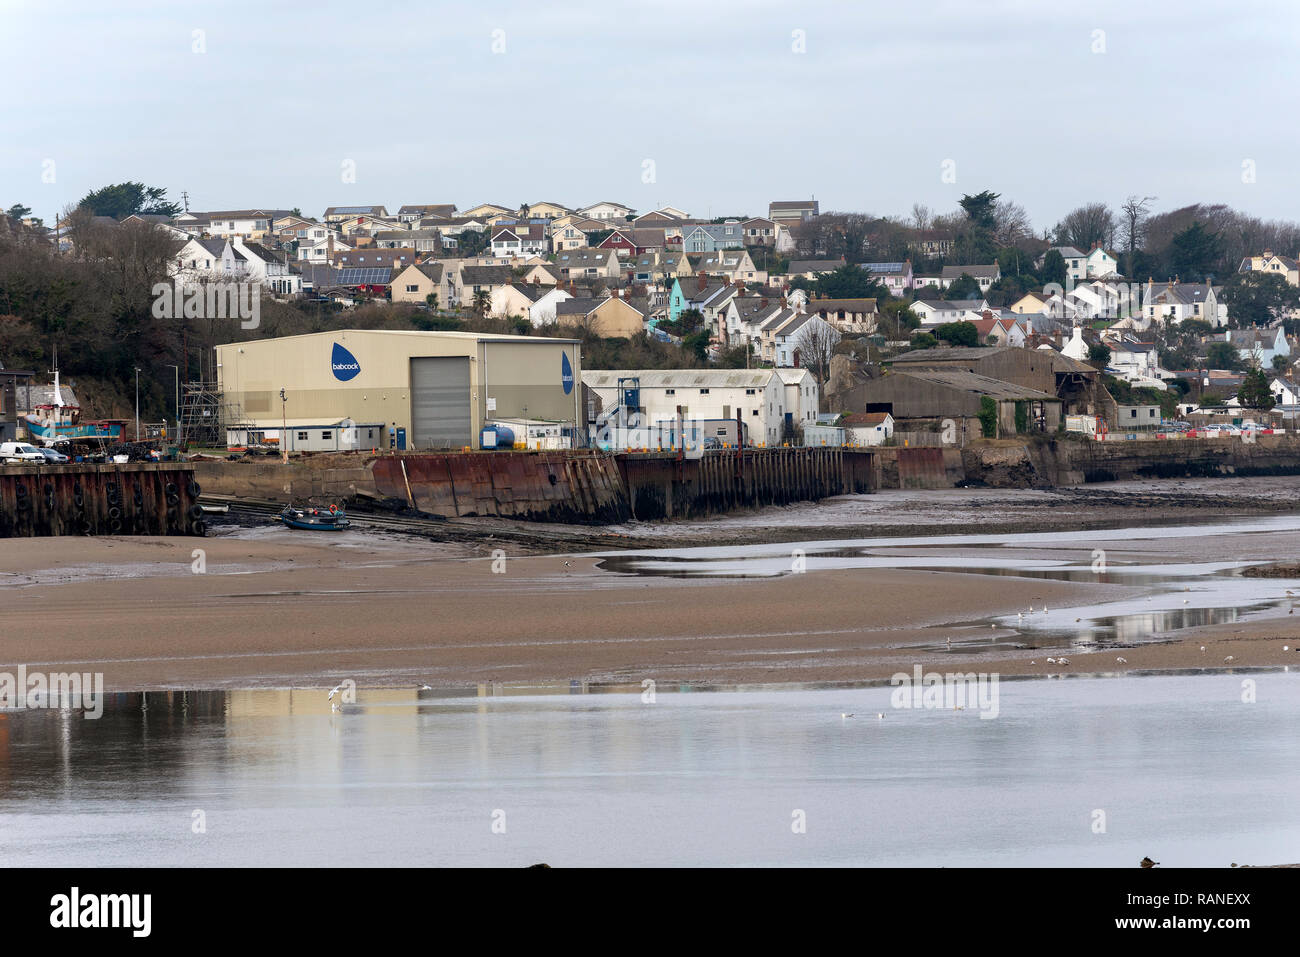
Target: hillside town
<point>855,328</point>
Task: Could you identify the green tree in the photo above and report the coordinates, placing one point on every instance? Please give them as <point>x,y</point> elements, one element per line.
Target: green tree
<point>974,243</point>
<point>17,211</point>
<point>431,300</point>
<point>923,340</point>
<point>1281,364</point>
<point>958,333</point>
<point>988,416</point>
<point>125,199</point>
<point>849,282</point>
<point>1259,298</point>
<point>1053,268</point>
<point>1221,355</point>
<point>697,344</point>
<point>965,287</point>
<point>1255,393</point>
<point>1195,253</point>
<point>481,304</point>
<point>1099,353</point>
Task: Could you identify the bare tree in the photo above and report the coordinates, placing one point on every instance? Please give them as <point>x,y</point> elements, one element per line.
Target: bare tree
<point>1134,227</point>
<point>922,217</point>
<point>1087,226</point>
<point>816,345</point>
<point>1011,223</point>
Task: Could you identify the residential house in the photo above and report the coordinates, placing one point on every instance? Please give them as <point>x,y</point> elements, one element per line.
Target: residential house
<point>483,279</point>
<point>1286,391</point>
<point>607,212</point>
<point>849,316</point>
<point>1259,346</point>
<point>1031,303</point>
<point>935,312</point>
<point>802,397</point>
<point>573,234</point>
<point>790,213</point>
<point>543,210</point>
<point>661,217</point>
<point>762,232</point>
<point>487,211</point>
<point>1076,263</point>
<point>627,241</point>
<point>269,268</point>
<point>543,274</point>
<point>1284,266</point>
<point>340,214</point>
<point>933,243</point>
<point>421,240</point>
<point>897,277</point>
<point>412,214</point>
<point>1176,301</point>
<point>512,242</point>
<point>999,331</point>
<point>796,338</point>
<point>252,224</point>
<point>986,276</point>
<point>1101,264</point>
<point>735,265</point>
<point>867,428</point>
<point>321,250</point>
<point>534,301</point>
<point>710,237</point>
<point>811,268</point>
<point>372,257</point>
<point>610,317</point>
<point>417,281</point>
<point>587,263</point>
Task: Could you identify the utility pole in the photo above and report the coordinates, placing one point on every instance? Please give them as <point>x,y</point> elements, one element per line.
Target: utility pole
<point>137,403</point>
<point>177,370</point>
<point>284,430</point>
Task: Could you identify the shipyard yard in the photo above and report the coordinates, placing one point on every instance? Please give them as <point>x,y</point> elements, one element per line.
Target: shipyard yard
<point>851,590</point>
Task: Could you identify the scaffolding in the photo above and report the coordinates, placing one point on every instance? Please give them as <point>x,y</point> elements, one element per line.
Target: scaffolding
<point>206,415</point>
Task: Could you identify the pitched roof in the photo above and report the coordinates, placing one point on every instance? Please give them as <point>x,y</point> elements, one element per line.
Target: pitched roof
<point>799,266</point>
<point>848,305</point>
<point>486,275</point>
<point>975,272</point>
<point>974,382</point>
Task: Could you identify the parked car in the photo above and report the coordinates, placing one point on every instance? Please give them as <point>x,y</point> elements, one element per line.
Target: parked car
<point>53,456</point>
<point>20,452</point>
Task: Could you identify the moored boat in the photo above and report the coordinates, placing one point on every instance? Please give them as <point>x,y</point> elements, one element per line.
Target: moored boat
<point>330,519</point>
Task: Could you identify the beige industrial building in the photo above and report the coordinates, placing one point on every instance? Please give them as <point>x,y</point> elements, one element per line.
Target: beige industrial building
<point>429,390</point>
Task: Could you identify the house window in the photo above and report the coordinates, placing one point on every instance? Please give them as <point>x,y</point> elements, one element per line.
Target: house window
<point>302,436</point>
<point>750,391</point>
<point>327,435</point>
<point>755,412</point>
<point>670,391</point>
<point>704,392</point>
<point>412,288</point>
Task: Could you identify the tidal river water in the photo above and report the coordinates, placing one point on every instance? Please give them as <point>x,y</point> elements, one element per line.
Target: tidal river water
<point>1191,770</point>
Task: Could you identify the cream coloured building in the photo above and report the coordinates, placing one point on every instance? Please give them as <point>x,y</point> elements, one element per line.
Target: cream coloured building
<point>430,390</point>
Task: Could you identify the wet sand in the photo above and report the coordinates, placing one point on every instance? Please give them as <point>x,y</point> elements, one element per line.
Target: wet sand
<point>284,609</point>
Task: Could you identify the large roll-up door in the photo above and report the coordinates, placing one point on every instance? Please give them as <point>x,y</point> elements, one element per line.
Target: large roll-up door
<point>440,400</point>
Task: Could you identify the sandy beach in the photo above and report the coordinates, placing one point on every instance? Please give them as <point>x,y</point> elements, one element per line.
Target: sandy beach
<point>273,608</point>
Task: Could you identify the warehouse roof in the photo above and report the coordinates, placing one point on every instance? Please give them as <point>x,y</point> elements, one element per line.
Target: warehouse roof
<point>342,334</point>
<point>972,382</point>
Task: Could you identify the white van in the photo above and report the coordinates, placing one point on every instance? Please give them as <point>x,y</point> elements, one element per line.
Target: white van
<point>20,452</point>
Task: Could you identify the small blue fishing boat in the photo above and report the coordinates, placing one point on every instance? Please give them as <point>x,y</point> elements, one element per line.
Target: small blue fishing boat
<point>332,519</point>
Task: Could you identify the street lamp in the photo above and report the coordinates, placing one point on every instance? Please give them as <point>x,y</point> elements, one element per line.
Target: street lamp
<point>137,403</point>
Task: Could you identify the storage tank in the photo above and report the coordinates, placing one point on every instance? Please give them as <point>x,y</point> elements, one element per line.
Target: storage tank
<point>497,437</point>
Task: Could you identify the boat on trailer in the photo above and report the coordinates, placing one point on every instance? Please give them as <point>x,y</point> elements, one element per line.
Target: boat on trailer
<point>332,519</point>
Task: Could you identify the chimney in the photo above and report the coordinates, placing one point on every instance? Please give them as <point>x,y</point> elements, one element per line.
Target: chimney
<point>702,281</point>
<point>763,304</point>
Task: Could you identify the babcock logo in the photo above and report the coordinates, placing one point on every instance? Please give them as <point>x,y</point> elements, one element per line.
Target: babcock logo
<point>345,365</point>
<point>566,373</point>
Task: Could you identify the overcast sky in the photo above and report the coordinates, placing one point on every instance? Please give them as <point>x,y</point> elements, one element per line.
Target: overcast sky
<point>1050,105</point>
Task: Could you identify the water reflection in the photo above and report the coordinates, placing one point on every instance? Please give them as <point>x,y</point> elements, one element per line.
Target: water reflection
<point>410,778</point>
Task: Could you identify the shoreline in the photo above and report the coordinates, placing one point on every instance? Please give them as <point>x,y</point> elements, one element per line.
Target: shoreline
<point>276,609</point>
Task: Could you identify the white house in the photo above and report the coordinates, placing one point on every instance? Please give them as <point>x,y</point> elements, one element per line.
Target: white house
<point>269,268</point>
<point>802,396</point>
<point>606,211</point>
<point>755,396</point>
<point>1100,264</point>
<point>793,341</point>
<point>1076,263</point>
<point>1259,345</point>
<point>867,428</point>
<point>935,312</point>
<point>1177,301</point>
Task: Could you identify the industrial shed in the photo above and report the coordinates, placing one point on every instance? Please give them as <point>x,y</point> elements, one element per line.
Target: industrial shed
<point>921,399</point>
<point>429,390</point>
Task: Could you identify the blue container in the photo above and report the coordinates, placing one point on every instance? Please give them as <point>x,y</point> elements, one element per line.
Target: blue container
<point>497,437</point>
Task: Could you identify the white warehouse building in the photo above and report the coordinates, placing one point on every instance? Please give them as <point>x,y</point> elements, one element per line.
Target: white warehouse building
<point>769,402</point>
